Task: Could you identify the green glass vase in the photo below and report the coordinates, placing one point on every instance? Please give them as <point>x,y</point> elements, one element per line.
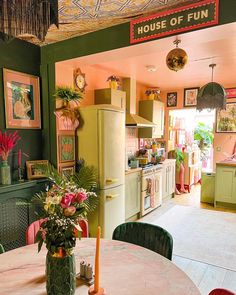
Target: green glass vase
<point>5,173</point>
<point>60,274</point>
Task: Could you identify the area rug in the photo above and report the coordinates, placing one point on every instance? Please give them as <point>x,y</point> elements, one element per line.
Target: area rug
<point>203,235</point>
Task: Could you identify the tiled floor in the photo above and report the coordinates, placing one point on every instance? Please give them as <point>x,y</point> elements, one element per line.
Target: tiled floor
<point>205,276</point>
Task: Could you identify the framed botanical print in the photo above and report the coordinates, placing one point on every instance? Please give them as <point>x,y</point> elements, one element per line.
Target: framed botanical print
<point>226,119</point>
<point>190,97</point>
<point>66,148</point>
<point>22,100</point>
<point>171,99</point>
<point>34,169</point>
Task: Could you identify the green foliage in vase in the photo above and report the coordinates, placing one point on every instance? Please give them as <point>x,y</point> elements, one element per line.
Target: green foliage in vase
<point>69,199</point>
<point>203,134</point>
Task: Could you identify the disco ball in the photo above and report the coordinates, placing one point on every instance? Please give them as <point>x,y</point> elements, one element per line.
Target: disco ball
<point>176,59</point>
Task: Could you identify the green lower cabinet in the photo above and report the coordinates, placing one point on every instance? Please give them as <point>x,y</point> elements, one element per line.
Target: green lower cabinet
<point>132,194</point>
<point>225,188</point>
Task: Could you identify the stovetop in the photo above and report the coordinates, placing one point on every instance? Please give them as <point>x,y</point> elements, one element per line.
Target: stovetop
<point>150,168</point>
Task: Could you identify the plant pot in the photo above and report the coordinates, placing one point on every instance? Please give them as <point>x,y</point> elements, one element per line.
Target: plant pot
<point>113,84</point>
<point>5,173</point>
<point>151,96</point>
<point>60,275</point>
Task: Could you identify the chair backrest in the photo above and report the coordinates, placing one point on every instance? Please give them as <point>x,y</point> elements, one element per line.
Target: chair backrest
<point>1,249</point>
<point>220,291</point>
<point>33,228</point>
<point>150,236</point>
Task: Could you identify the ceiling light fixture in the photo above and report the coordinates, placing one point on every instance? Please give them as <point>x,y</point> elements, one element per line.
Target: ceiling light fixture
<point>151,68</point>
<point>34,17</point>
<point>177,58</point>
<point>211,95</point>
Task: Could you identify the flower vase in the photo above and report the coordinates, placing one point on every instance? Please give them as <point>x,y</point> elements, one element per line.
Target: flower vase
<point>5,173</point>
<point>60,275</point>
<point>113,84</point>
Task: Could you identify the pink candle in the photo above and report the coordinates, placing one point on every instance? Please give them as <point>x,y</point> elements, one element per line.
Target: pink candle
<point>19,158</point>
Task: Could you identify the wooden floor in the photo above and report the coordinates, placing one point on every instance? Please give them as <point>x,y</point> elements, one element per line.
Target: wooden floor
<point>205,276</point>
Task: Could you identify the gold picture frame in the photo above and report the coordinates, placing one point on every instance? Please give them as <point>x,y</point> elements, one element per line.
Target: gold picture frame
<point>33,169</point>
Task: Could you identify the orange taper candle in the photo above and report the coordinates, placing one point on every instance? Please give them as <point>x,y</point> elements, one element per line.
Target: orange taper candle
<point>97,261</point>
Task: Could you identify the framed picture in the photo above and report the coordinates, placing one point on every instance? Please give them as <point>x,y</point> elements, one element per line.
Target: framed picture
<point>171,99</point>
<point>190,96</point>
<point>67,169</point>
<point>34,169</point>
<point>226,119</point>
<point>230,92</point>
<point>66,148</point>
<point>22,100</point>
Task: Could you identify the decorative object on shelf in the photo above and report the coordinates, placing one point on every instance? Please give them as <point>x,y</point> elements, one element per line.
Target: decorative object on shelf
<point>203,134</point>
<point>190,96</point>
<point>67,109</point>
<point>153,94</point>
<point>66,145</point>
<point>86,273</point>
<point>230,92</point>
<point>22,100</point>
<point>32,17</point>
<point>62,206</point>
<point>171,100</point>
<point>226,119</point>
<point>79,80</point>
<point>96,289</point>
<point>35,169</point>
<point>7,143</point>
<point>211,95</point>
<point>177,58</point>
<point>113,81</point>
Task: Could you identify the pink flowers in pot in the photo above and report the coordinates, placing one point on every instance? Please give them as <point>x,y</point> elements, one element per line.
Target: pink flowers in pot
<point>7,143</point>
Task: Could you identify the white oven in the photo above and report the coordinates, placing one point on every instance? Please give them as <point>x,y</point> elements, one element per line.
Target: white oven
<point>151,189</point>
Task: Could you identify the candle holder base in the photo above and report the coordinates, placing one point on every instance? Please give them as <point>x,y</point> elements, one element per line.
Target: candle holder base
<point>100,291</point>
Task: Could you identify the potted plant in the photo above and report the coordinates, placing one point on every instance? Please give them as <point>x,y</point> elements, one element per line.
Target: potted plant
<point>152,93</point>
<point>203,134</point>
<point>113,81</point>
<point>65,95</point>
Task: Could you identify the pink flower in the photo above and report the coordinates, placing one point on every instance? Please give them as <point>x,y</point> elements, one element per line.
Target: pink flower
<point>69,211</point>
<point>81,197</point>
<point>67,199</point>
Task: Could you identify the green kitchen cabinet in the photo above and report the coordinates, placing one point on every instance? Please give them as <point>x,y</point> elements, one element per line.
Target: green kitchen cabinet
<point>225,186</point>
<point>110,96</point>
<point>152,110</point>
<point>132,194</point>
<point>208,187</point>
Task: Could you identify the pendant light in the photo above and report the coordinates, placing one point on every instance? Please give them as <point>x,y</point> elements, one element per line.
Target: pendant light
<point>211,95</point>
<point>177,58</point>
<point>32,17</point>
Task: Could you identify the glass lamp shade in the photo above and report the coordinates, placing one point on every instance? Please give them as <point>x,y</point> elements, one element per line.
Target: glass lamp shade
<point>211,96</point>
<point>176,59</point>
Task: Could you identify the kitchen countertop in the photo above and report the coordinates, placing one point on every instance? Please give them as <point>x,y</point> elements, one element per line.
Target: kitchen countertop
<point>227,163</point>
<point>133,170</point>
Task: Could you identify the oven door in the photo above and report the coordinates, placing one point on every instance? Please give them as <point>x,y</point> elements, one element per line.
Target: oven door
<point>148,193</point>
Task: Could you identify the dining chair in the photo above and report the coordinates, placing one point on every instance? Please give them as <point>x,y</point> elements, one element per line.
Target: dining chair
<point>220,291</point>
<point>147,235</point>
<point>2,250</point>
<point>33,228</point>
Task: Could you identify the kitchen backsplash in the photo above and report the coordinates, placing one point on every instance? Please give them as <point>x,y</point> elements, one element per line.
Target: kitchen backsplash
<point>131,140</point>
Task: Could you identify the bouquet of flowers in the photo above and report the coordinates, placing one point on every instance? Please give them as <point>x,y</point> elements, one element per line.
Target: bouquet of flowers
<point>7,143</point>
<point>69,199</point>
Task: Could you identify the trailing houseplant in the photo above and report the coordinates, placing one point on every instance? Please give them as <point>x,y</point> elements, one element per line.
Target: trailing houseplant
<point>203,134</point>
<point>69,199</point>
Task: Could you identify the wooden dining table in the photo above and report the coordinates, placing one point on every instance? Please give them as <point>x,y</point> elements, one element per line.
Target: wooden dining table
<point>126,269</point>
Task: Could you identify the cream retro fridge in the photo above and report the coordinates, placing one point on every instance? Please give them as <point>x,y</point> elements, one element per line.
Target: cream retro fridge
<point>101,143</point>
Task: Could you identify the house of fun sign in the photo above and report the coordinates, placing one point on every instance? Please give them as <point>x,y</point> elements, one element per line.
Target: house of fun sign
<point>187,18</point>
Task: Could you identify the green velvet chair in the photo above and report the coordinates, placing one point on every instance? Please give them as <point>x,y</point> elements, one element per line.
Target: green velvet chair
<point>149,236</point>
<point>1,249</point>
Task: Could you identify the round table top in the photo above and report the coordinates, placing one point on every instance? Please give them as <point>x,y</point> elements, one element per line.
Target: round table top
<point>126,269</point>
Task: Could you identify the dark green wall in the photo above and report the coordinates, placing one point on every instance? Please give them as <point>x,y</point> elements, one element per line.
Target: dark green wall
<point>23,57</point>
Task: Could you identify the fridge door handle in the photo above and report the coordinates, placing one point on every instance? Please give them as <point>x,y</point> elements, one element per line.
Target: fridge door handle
<point>111,180</point>
<point>110,197</point>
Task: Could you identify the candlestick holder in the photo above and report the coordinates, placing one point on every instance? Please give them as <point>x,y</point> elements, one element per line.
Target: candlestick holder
<point>20,174</point>
<point>100,291</point>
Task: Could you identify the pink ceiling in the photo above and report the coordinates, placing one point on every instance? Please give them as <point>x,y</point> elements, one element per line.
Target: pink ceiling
<point>217,44</point>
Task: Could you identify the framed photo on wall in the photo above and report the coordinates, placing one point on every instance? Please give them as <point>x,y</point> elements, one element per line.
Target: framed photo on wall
<point>34,169</point>
<point>66,145</point>
<point>190,96</point>
<point>230,92</point>
<point>22,100</point>
<point>226,119</point>
<point>171,99</point>
<point>67,169</point>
